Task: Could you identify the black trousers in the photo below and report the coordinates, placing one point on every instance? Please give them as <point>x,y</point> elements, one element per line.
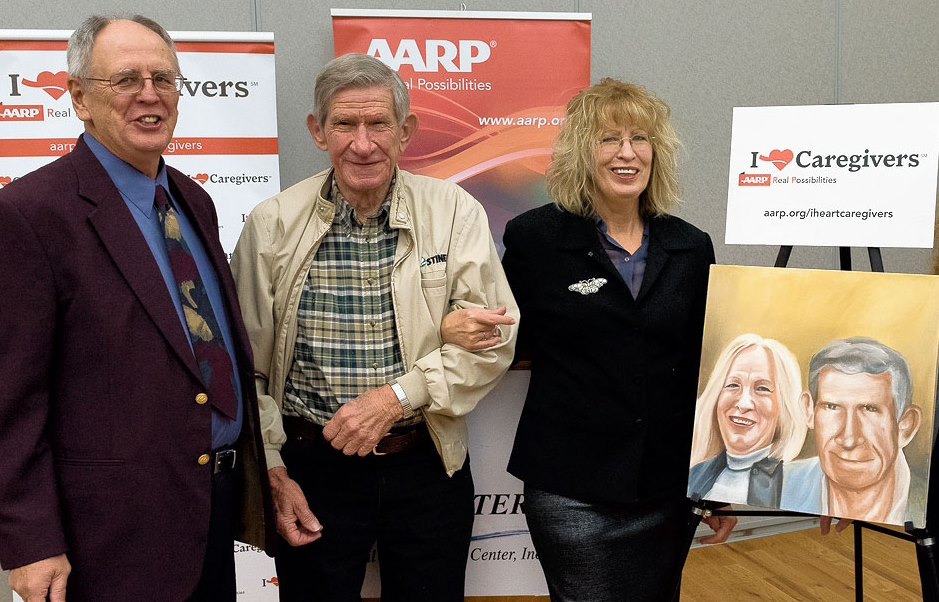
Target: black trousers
<point>217,583</point>
<point>421,520</point>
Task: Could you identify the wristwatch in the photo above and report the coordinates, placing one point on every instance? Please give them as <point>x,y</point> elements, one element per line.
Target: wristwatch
<point>402,398</point>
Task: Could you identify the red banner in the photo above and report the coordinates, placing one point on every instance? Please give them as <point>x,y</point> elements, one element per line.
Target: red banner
<point>489,90</point>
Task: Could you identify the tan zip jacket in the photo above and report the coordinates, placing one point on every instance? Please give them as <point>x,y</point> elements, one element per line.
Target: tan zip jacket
<point>445,259</point>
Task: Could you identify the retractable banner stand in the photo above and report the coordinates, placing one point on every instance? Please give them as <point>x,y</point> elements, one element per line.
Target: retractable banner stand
<point>490,92</point>
<point>226,136</point>
<point>834,175</point>
<point>225,139</point>
<point>489,89</point>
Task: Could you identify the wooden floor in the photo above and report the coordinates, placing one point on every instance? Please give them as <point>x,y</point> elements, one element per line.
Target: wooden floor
<point>801,566</point>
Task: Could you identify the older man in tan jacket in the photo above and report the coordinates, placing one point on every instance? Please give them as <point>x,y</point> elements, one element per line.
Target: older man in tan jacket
<point>345,279</point>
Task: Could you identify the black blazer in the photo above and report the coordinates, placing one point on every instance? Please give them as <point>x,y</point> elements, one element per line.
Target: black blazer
<point>609,411</point>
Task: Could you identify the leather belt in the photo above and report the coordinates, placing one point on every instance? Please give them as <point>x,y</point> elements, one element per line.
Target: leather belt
<point>223,460</point>
<point>396,441</point>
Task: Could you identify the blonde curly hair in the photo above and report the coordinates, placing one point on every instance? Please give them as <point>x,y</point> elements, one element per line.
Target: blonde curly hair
<point>609,105</point>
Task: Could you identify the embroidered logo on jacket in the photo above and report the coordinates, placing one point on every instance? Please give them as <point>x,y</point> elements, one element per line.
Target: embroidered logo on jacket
<point>587,287</point>
<point>442,258</point>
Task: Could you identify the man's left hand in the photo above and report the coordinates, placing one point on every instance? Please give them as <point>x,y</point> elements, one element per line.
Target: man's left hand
<point>722,526</point>
<point>360,424</point>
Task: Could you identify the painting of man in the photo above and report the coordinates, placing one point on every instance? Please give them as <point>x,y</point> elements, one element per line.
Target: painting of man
<point>859,407</point>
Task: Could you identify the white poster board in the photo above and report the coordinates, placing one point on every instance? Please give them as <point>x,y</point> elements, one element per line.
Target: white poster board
<point>226,136</point>
<point>834,175</point>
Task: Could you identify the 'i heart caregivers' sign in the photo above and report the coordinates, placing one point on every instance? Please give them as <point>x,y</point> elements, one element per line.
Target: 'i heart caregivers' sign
<point>834,175</point>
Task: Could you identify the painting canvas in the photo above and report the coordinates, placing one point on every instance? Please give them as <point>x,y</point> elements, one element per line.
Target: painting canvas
<point>817,392</point>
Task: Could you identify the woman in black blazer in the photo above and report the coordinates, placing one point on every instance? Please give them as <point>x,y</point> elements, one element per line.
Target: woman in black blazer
<point>612,292</point>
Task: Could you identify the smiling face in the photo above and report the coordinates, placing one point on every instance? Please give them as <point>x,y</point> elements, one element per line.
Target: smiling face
<point>748,404</point>
<point>622,165</point>
<point>856,429</point>
<point>135,127</point>
<point>364,140</point>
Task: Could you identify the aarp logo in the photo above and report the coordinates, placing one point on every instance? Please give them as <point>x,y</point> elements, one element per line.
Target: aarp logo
<point>434,55</point>
<point>21,112</point>
<point>754,179</point>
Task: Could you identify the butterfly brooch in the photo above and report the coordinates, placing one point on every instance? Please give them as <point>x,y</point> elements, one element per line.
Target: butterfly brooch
<point>587,287</point>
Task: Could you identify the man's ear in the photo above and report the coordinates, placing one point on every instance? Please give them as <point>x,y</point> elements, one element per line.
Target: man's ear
<point>319,136</point>
<point>809,406</point>
<point>77,92</point>
<point>909,424</point>
<point>408,130</point>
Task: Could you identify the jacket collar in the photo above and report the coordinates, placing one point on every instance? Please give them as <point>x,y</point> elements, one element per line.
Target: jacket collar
<point>399,214</point>
<point>579,234</point>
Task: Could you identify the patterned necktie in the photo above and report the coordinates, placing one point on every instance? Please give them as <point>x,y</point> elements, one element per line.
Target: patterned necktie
<point>207,343</point>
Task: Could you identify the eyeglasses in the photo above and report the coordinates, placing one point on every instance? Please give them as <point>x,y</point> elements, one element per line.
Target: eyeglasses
<point>638,142</point>
<point>131,82</point>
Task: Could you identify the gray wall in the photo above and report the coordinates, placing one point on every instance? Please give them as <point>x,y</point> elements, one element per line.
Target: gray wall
<point>702,57</point>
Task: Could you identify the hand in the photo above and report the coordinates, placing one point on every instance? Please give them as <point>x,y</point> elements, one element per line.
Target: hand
<point>360,424</point>
<point>46,577</point>
<point>825,524</point>
<point>721,525</point>
<point>474,329</point>
<point>295,521</point>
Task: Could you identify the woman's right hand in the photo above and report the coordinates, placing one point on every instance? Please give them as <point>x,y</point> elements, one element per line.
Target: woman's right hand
<point>474,329</point>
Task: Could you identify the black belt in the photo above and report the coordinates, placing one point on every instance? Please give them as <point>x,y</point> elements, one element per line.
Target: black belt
<point>223,460</point>
<point>396,441</point>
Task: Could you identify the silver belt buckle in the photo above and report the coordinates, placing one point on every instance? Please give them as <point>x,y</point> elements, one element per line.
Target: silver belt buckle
<point>226,457</point>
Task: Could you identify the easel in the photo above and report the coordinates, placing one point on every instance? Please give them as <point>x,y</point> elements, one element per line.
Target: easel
<point>925,543</point>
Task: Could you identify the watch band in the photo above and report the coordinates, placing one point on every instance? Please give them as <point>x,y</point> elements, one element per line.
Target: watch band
<point>402,398</point>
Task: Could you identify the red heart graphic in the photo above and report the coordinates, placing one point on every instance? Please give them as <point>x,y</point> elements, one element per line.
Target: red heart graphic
<point>53,84</point>
<point>202,178</point>
<point>779,158</point>
<point>4,180</point>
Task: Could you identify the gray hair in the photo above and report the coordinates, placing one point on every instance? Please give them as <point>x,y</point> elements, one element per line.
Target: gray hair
<point>354,72</point>
<point>82,41</point>
<point>859,355</point>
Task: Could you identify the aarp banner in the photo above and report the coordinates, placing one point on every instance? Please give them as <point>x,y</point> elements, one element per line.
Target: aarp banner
<point>834,175</point>
<point>489,90</point>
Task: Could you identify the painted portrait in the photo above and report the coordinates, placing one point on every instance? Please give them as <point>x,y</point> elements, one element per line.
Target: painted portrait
<point>817,392</point>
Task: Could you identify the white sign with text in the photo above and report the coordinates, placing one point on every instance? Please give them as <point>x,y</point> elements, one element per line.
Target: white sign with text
<point>834,175</point>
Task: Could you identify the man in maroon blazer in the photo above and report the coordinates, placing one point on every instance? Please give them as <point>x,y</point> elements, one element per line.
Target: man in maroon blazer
<point>129,453</point>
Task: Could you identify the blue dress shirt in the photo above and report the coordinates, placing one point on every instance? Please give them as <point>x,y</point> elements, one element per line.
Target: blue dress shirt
<point>631,266</point>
